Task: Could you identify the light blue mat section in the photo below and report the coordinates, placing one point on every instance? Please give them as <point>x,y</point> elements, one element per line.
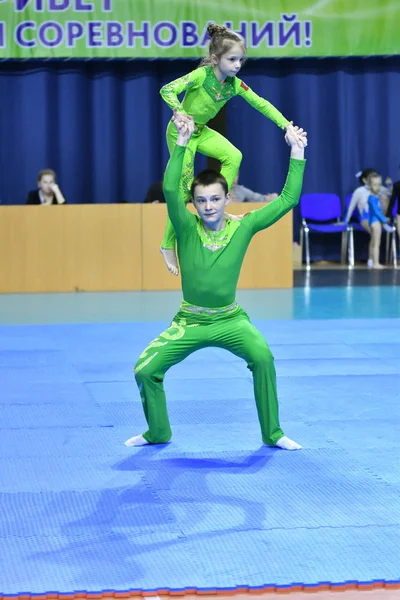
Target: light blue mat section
<point>214,508</point>
<point>122,307</point>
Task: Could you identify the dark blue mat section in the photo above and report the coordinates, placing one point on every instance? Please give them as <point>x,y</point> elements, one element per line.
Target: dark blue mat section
<point>214,508</point>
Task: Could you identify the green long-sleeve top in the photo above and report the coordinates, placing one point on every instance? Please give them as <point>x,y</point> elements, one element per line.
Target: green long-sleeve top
<point>210,261</point>
<point>205,96</point>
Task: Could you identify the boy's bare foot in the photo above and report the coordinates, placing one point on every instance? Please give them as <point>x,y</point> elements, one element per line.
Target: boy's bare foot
<point>136,440</point>
<point>287,444</point>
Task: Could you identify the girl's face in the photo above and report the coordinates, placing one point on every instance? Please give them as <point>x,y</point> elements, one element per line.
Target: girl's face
<point>46,184</point>
<point>230,63</point>
<point>375,185</point>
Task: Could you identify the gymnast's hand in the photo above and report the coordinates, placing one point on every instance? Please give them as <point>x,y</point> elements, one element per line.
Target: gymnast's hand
<point>185,128</point>
<point>296,138</point>
<point>180,116</point>
<point>296,135</point>
<point>294,132</point>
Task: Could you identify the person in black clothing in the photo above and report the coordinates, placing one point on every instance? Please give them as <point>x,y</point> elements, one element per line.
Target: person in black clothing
<point>395,196</point>
<point>48,191</point>
<point>155,194</point>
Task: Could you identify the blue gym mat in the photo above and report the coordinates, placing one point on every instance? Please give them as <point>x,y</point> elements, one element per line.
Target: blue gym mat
<point>214,508</point>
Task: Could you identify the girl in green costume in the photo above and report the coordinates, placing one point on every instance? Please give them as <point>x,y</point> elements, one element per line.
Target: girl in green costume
<point>208,88</point>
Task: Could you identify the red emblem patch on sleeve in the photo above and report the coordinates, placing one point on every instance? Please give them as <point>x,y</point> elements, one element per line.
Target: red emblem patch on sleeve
<point>244,86</point>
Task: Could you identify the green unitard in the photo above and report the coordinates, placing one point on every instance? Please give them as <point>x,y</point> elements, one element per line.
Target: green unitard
<point>204,98</point>
<point>209,315</point>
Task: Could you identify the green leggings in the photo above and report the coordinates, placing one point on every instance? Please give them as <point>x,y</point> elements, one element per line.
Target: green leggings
<point>189,332</point>
<point>208,142</point>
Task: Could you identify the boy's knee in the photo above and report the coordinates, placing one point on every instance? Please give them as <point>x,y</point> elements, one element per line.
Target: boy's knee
<point>143,371</point>
<point>261,355</point>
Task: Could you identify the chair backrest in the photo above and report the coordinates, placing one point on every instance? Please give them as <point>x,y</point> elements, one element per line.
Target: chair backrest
<point>355,217</point>
<point>320,207</point>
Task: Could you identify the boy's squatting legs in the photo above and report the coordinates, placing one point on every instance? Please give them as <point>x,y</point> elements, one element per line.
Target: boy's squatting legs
<point>234,333</point>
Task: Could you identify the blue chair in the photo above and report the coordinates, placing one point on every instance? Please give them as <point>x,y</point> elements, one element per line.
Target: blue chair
<point>322,213</point>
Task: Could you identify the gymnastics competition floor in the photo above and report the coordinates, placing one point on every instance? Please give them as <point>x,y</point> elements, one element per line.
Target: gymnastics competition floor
<point>214,511</point>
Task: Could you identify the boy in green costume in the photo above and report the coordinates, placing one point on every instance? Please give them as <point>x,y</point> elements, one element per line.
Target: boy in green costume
<point>211,250</point>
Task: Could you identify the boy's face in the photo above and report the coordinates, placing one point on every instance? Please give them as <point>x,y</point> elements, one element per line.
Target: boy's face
<point>210,202</point>
<point>375,185</point>
<point>46,184</point>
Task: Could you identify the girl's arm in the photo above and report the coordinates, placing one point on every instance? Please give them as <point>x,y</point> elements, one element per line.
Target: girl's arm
<point>263,106</point>
<point>170,92</point>
<point>353,204</point>
<point>375,208</point>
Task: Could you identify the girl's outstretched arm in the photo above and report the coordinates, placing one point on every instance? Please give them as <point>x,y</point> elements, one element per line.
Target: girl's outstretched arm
<point>260,104</point>
<point>171,91</point>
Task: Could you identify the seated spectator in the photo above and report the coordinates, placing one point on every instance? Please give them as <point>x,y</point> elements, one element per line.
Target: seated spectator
<point>239,193</point>
<point>48,191</point>
<point>155,194</point>
<point>389,184</point>
<point>360,197</point>
<point>377,219</point>
<point>359,201</point>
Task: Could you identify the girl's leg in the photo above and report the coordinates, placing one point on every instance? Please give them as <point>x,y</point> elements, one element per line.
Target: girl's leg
<point>376,234</point>
<point>365,225</point>
<point>213,144</point>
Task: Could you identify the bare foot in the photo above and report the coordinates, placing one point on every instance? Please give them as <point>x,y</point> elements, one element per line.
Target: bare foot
<point>137,440</point>
<point>170,260</point>
<point>378,266</point>
<point>287,444</point>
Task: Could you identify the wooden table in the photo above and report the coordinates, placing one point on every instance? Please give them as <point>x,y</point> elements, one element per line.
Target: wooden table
<point>108,247</point>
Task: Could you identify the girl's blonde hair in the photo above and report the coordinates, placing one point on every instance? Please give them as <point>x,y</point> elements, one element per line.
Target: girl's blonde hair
<point>222,39</point>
